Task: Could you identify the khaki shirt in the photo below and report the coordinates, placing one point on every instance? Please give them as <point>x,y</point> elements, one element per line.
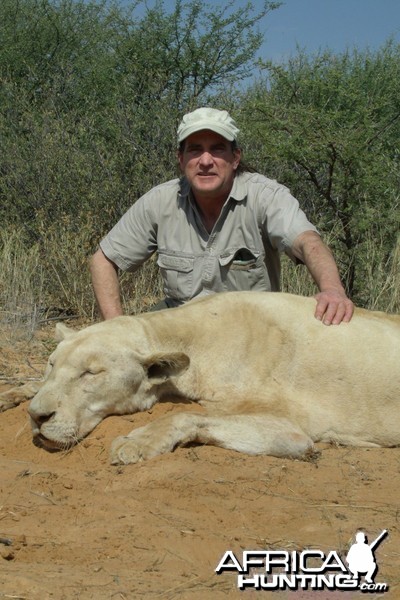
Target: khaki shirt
<point>259,220</point>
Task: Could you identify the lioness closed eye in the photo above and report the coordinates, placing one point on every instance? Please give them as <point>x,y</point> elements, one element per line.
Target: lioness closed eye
<point>273,379</point>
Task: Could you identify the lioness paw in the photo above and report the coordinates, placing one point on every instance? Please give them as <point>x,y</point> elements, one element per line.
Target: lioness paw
<point>126,450</point>
<point>16,395</point>
<point>143,443</point>
<point>7,404</point>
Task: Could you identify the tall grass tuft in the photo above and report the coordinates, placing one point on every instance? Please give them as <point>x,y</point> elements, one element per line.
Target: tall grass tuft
<point>66,248</point>
<point>53,273</point>
<point>143,289</point>
<point>21,285</point>
<point>378,269</point>
<point>383,276</point>
<point>66,245</point>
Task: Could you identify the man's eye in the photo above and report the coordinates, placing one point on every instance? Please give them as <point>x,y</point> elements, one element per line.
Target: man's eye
<point>194,150</point>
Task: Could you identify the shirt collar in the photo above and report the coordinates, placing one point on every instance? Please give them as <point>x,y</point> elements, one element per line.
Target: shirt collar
<point>238,191</point>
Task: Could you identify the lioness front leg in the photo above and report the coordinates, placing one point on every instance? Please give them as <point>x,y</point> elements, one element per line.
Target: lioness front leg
<point>20,394</point>
<point>251,434</point>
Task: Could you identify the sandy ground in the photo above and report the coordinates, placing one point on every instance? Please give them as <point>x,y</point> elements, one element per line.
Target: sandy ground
<point>72,526</point>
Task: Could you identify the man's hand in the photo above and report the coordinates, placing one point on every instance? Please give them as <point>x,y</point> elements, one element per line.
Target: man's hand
<point>333,307</point>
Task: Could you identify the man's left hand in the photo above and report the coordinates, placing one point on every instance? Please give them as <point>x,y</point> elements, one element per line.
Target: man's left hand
<point>333,307</point>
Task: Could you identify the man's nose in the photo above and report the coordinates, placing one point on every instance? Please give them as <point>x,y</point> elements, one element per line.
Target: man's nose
<point>206,158</point>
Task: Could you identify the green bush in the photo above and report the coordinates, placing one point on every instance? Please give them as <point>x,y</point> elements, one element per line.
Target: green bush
<point>90,97</point>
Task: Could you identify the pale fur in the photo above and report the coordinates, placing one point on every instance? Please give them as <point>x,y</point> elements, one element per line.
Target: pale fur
<point>271,377</point>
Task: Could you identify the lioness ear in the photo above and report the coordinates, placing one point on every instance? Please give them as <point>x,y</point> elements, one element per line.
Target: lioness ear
<point>63,332</point>
<point>162,365</point>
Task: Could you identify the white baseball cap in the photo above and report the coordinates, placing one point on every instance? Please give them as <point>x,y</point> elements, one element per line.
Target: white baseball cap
<point>215,120</point>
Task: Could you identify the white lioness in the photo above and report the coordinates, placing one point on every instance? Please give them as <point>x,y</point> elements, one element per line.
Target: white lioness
<point>272,378</point>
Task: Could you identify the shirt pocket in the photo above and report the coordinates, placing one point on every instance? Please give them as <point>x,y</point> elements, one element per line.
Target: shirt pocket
<point>177,274</point>
<point>243,269</point>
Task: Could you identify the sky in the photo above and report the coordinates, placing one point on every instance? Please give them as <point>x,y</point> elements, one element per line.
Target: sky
<point>320,24</point>
<point>333,24</point>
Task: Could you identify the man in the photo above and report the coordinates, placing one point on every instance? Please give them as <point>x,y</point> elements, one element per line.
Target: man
<point>218,228</point>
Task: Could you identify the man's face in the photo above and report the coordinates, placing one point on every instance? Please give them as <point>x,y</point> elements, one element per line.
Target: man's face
<point>209,164</point>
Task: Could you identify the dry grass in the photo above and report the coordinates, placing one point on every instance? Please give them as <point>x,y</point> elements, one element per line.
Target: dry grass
<point>143,289</point>
<point>21,285</point>
<point>53,274</point>
<point>383,278</point>
<point>65,247</point>
<point>378,281</point>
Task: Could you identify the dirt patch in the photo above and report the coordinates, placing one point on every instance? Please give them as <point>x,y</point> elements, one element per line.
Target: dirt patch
<point>72,526</point>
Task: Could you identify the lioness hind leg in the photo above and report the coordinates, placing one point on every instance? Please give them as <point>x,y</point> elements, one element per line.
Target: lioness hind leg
<point>251,434</point>
<point>16,395</point>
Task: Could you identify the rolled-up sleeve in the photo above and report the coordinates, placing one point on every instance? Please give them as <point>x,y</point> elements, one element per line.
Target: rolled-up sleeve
<point>282,218</point>
<point>134,238</point>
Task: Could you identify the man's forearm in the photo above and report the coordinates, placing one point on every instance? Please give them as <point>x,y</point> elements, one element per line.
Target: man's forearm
<point>318,258</point>
<point>106,285</point>
<point>333,306</point>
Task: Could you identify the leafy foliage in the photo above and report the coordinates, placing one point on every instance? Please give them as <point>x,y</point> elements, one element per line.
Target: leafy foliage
<point>92,93</point>
<point>328,125</point>
<point>90,96</point>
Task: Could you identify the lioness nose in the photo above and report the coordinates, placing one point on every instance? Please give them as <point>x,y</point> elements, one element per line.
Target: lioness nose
<point>40,418</point>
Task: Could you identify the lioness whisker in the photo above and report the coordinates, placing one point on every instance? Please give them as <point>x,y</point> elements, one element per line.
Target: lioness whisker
<point>21,431</point>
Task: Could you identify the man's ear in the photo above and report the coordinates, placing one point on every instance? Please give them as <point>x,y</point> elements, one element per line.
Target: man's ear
<point>237,154</point>
<point>62,332</point>
<point>179,156</point>
<point>163,365</point>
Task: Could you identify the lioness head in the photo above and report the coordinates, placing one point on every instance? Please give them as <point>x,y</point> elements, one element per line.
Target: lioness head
<point>93,374</point>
